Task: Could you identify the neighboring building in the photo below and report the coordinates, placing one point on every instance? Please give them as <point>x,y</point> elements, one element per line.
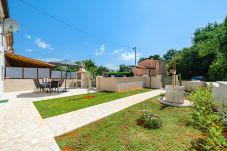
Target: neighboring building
<point>4,45</point>
<point>150,67</point>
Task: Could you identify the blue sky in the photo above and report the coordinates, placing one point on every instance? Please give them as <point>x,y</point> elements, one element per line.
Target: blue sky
<point>108,29</point>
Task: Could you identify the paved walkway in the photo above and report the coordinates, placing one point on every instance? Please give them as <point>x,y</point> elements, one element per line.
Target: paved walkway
<point>22,128</point>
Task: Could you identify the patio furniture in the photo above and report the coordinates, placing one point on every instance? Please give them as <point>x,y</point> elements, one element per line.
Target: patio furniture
<point>38,87</point>
<point>66,64</point>
<point>54,85</point>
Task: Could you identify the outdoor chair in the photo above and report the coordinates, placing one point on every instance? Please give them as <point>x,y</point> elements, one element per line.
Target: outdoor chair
<point>38,87</point>
<point>54,85</point>
<point>60,82</point>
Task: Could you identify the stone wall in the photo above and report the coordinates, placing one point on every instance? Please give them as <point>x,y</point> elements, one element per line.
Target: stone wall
<point>219,90</point>
<point>13,85</point>
<point>127,83</point>
<point>192,85</point>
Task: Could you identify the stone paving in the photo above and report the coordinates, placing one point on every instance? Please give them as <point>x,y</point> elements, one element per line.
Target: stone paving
<point>23,129</point>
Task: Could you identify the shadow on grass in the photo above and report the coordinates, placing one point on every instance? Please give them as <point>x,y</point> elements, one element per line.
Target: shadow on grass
<point>163,106</point>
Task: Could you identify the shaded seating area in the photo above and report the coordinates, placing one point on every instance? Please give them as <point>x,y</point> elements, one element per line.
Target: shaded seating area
<point>48,85</point>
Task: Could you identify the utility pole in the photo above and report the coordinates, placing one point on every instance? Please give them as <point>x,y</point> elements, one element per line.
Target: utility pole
<point>135,55</point>
<point>135,59</point>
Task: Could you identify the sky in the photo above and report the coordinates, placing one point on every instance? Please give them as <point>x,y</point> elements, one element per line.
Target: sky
<point>107,30</point>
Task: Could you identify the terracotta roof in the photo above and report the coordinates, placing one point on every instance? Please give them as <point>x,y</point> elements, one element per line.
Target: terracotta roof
<point>143,67</point>
<point>14,60</point>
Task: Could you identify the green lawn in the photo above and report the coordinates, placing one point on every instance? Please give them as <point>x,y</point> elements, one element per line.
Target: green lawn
<point>53,107</point>
<point>120,131</point>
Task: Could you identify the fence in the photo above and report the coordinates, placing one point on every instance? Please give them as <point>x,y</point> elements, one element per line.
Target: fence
<point>31,73</point>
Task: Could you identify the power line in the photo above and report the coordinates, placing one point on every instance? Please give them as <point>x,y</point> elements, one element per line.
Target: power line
<point>71,26</point>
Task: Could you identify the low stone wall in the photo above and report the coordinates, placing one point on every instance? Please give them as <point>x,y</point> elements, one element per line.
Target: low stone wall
<point>219,90</point>
<point>192,85</point>
<point>118,83</point>
<point>127,83</point>
<point>13,85</point>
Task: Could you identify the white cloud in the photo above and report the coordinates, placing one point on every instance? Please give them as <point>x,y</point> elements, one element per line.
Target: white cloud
<point>100,50</point>
<point>112,66</point>
<point>28,36</point>
<point>129,56</point>
<point>40,43</point>
<point>29,50</point>
<point>117,51</point>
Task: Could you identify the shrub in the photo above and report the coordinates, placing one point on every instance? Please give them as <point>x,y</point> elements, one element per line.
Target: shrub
<point>202,113</point>
<point>149,120</point>
<point>209,122</point>
<point>214,139</point>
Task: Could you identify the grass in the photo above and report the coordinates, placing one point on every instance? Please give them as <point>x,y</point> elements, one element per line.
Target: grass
<point>120,131</point>
<point>53,107</point>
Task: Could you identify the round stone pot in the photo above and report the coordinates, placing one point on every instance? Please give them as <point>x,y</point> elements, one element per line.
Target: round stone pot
<point>175,94</point>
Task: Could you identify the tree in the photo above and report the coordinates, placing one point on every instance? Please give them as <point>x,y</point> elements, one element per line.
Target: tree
<point>168,56</point>
<point>141,59</point>
<point>101,70</point>
<point>155,57</point>
<point>124,68</point>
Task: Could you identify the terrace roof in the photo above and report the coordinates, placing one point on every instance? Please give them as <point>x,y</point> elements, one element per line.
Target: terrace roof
<point>13,60</point>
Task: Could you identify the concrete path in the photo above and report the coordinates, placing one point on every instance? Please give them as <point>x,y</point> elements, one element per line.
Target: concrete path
<point>22,128</point>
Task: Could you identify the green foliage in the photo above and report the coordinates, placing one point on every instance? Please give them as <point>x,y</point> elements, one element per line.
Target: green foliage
<point>214,140</point>
<point>218,69</point>
<point>168,56</point>
<point>150,120</point>
<point>190,63</point>
<point>202,113</point>
<point>88,64</point>
<point>207,121</point>
<point>120,74</point>
<point>155,57</point>
<point>124,68</point>
<point>141,59</point>
<point>101,70</point>
<point>91,67</point>
<point>206,57</point>
<point>68,69</point>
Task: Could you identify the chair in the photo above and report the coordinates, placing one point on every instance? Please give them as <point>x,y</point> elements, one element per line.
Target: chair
<point>60,82</point>
<point>38,86</point>
<point>54,85</point>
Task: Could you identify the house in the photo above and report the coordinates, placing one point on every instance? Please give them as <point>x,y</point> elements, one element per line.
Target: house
<point>16,71</point>
<point>150,67</point>
<point>4,45</point>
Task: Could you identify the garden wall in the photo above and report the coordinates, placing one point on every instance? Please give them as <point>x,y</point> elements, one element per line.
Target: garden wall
<point>13,85</point>
<point>192,85</point>
<point>127,83</point>
<point>219,90</point>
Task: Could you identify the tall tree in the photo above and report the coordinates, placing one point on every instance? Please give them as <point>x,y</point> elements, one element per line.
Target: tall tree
<point>141,59</point>
<point>124,68</point>
<point>155,57</point>
<point>168,56</point>
<point>101,70</point>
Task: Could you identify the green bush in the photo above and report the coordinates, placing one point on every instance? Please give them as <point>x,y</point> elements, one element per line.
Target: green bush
<point>207,121</point>
<point>214,139</point>
<point>149,120</point>
<point>120,74</point>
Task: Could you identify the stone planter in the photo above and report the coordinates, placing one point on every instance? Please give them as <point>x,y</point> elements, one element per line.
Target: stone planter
<point>175,94</point>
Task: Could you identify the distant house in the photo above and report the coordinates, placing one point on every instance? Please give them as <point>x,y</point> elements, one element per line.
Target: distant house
<point>150,67</point>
